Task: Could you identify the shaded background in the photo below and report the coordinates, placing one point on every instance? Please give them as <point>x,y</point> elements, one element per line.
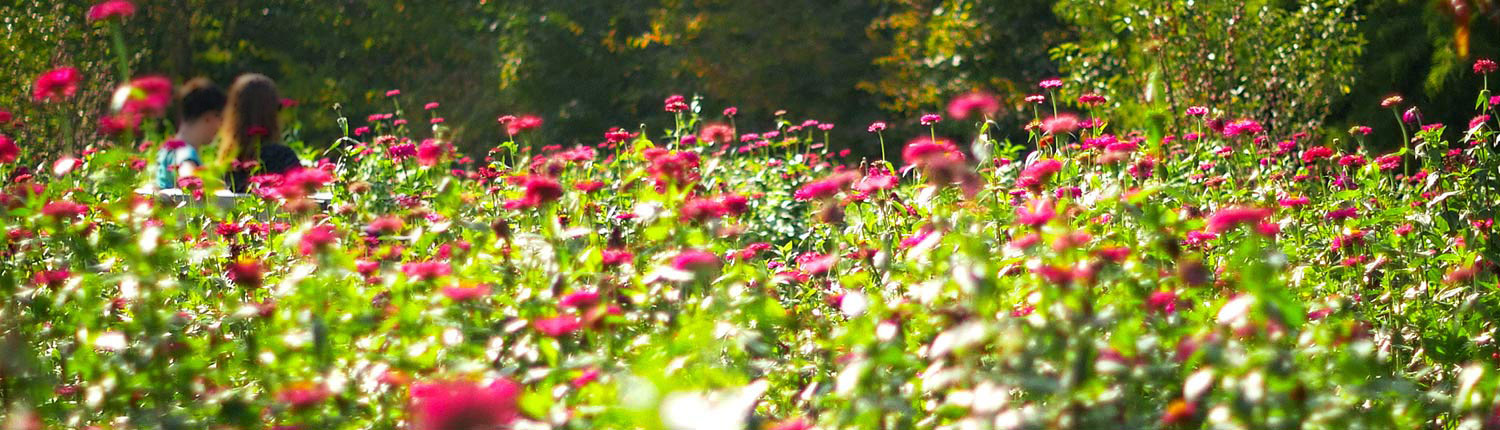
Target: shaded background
<point>587,65</point>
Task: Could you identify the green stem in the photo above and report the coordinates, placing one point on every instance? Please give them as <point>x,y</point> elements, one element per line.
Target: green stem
<point>121,60</point>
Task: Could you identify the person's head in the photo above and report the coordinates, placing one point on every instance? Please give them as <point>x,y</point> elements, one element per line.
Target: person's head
<point>200,110</point>
<point>250,119</point>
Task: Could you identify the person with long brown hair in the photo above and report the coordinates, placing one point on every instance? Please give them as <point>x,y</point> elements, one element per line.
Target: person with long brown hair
<point>251,139</point>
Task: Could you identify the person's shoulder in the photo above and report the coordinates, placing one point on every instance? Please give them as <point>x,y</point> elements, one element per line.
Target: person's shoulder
<point>278,158</point>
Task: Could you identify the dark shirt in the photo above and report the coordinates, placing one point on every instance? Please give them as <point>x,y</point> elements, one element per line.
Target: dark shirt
<point>274,158</point>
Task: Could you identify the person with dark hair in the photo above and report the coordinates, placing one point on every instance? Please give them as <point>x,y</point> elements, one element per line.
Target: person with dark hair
<point>200,107</point>
<point>251,137</point>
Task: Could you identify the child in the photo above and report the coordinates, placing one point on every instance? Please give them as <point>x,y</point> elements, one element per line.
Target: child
<point>200,114</point>
<point>251,139</point>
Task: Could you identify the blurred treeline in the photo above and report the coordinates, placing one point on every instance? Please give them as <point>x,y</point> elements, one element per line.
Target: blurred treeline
<point>587,65</point>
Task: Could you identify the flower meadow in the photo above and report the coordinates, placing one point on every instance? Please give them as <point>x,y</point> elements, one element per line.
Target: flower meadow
<point>715,273</point>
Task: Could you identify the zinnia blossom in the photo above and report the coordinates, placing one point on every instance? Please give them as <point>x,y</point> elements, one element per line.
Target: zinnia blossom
<point>876,127</point>
<point>1050,83</point>
<point>1226,219</point>
<point>963,106</point>
<point>9,152</point>
<point>109,9</point>
<point>464,294</point>
<point>463,405</point>
<point>149,96</point>
<point>694,260</point>
<point>317,238</point>
<point>56,85</point>
<point>675,103</point>
<point>1485,66</point>
<point>558,326</point>
<point>1197,111</point>
<point>1060,124</point>
<point>930,119</point>
<point>1391,101</point>
<point>63,209</point>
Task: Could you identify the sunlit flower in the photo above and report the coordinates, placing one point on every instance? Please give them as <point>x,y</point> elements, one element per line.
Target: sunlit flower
<point>1226,219</point>
<point>464,405</point>
<point>1060,124</point>
<point>930,119</point>
<point>1050,83</point>
<point>558,326</point>
<point>676,103</point>
<point>982,103</point>
<point>1391,101</point>
<point>121,9</point>
<point>876,127</point>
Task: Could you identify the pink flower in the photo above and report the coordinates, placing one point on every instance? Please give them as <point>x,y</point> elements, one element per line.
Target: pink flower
<point>1361,130</point>
<point>1060,124</point>
<point>148,96</point>
<point>1092,99</point>
<point>1242,127</point>
<point>431,106</point>
<point>63,209</point>
<point>109,9</point>
<point>317,238</point>
<point>1197,111</point>
<point>1036,98</point>
<point>675,103</point>
<point>1163,301</point>
<point>1226,219</point>
<point>983,103</point>
<point>515,125</point>
<point>1411,115</point>
<point>1485,66</point>
<point>1050,83</point>
<point>464,294</point>
<point>1392,101</point>
<point>579,299</point>
<point>1041,170</point>
<point>431,152</point>
<point>731,111</point>
<point>1035,213</point>
<point>920,151</point>
<point>558,326</point>
<point>616,257</point>
<point>791,424</point>
<point>426,270</point>
<point>695,260</point>
<point>392,93</point>
<point>56,85</point>
<point>930,119</point>
<point>463,405</point>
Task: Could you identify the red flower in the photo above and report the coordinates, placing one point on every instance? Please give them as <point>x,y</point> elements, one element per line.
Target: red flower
<point>1316,153</point>
<point>56,85</point>
<point>246,273</point>
<point>109,9</point>
<point>1485,66</point>
<point>539,190</point>
<point>702,210</point>
<point>63,209</point>
<point>302,395</point>
<point>9,152</point>
<point>462,405</point>
<point>1228,218</point>
<point>735,204</point>
<point>1035,214</point>
<point>716,133</point>
<point>930,119</point>
<point>676,103</point>
<point>791,424</point>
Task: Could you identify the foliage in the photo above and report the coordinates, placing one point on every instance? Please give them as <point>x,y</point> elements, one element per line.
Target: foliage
<point>1285,62</point>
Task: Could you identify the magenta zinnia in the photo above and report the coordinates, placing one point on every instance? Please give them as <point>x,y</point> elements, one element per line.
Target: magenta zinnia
<point>56,85</point>
<point>1228,218</point>
<point>111,9</point>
